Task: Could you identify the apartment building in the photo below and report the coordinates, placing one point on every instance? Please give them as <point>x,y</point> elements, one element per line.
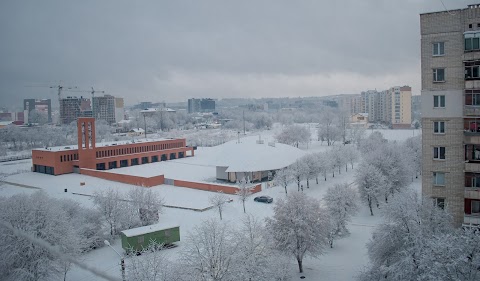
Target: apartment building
<point>104,108</point>
<point>201,105</point>
<point>399,107</point>
<point>450,56</point>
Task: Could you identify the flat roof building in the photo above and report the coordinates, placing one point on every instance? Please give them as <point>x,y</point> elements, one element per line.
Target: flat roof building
<point>104,156</point>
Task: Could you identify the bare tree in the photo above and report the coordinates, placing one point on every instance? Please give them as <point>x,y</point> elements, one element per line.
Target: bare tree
<point>218,201</point>
<point>299,227</point>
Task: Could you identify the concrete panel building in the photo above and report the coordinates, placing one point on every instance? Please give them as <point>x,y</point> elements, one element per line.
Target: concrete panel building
<point>104,108</point>
<point>450,56</point>
<point>72,108</point>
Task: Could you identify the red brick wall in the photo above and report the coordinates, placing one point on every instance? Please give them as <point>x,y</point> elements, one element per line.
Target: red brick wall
<point>213,187</point>
<point>128,179</point>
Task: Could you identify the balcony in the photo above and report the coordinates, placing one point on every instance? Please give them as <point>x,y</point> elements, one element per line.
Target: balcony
<point>471,219</point>
<point>472,193</point>
<point>471,110</point>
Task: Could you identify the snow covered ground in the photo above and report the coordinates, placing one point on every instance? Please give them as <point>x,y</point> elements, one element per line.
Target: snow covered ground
<point>343,262</point>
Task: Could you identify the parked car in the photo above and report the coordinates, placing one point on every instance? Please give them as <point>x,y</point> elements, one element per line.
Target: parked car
<point>264,199</point>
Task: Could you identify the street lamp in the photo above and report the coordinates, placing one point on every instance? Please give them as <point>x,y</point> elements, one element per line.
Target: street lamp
<point>122,259</point>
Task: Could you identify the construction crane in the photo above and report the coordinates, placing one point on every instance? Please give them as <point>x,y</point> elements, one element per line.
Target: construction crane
<point>60,88</point>
<point>93,91</point>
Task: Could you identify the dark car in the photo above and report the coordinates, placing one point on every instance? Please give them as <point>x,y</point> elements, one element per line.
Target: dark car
<point>264,199</point>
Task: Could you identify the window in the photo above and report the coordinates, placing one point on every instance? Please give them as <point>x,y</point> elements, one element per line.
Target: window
<point>438,48</point>
<point>472,97</point>
<point>439,75</point>
<point>472,41</point>
<point>439,202</point>
<point>475,207</point>
<point>438,101</point>
<point>472,72</point>
<point>439,127</point>
<point>439,153</point>
<point>438,178</point>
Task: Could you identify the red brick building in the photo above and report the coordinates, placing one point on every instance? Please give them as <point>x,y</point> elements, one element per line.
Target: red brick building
<point>103,156</point>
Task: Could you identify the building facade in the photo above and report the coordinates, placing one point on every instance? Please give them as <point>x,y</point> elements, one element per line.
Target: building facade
<point>201,105</point>
<point>72,108</point>
<point>103,108</point>
<point>104,156</point>
<point>399,107</point>
<point>450,56</point>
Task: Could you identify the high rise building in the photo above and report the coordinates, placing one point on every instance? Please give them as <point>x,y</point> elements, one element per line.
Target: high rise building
<point>399,107</point>
<point>450,57</point>
<point>104,108</point>
<point>32,108</point>
<point>201,105</point>
<point>73,107</point>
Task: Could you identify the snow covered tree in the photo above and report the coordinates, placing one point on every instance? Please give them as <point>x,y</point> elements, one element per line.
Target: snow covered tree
<point>255,259</point>
<point>299,171</point>
<point>294,135</point>
<point>110,204</point>
<point>218,201</point>
<point>351,154</point>
<point>323,163</point>
<point>244,191</point>
<point>413,149</point>
<point>370,182</point>
<point>391,160</point>
<point>283,177</point>
<point>329,127</point>
<point>299,227</point>
<point>357,134</point>
<point>209,252</point>
<point>41,217</point>
<point>342,203</point>
<point>151,265</point>
<point>145,205</point>
<point>371,143</point>
<point>312,169</point>
<point>398,245</point>
<point>338,157</point>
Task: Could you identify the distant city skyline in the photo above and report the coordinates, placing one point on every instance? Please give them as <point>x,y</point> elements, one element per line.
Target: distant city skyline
<point>172,51</point>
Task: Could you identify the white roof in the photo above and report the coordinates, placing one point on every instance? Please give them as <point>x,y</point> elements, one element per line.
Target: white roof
<point>250,156</point>
<point>102,144</point>
<point>148,229</point>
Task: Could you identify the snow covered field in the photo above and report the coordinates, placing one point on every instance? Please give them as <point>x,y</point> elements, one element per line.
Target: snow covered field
<point>343,262</point>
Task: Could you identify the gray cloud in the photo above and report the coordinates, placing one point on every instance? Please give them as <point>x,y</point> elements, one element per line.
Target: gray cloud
<point>172,50</point>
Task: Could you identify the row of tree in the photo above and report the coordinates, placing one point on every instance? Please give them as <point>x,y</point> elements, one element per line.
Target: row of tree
<point>315,165</point>
<point>386,168</point>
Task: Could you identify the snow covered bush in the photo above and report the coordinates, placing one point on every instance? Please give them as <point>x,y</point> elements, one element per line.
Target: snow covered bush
<point>151,265</point>
<point>244,191</point>
<point>299,227</point>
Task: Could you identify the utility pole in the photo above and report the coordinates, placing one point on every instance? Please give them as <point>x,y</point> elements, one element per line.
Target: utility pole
<point>244,122</point>
<point>145,124</point>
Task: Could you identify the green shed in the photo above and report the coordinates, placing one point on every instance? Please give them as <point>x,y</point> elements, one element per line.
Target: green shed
<point>139,238</point>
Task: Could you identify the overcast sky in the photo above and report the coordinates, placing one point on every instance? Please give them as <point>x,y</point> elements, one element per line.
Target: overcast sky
<point>174,50</point>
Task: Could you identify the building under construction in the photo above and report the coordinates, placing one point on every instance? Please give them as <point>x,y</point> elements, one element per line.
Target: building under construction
<point>73,107</point>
